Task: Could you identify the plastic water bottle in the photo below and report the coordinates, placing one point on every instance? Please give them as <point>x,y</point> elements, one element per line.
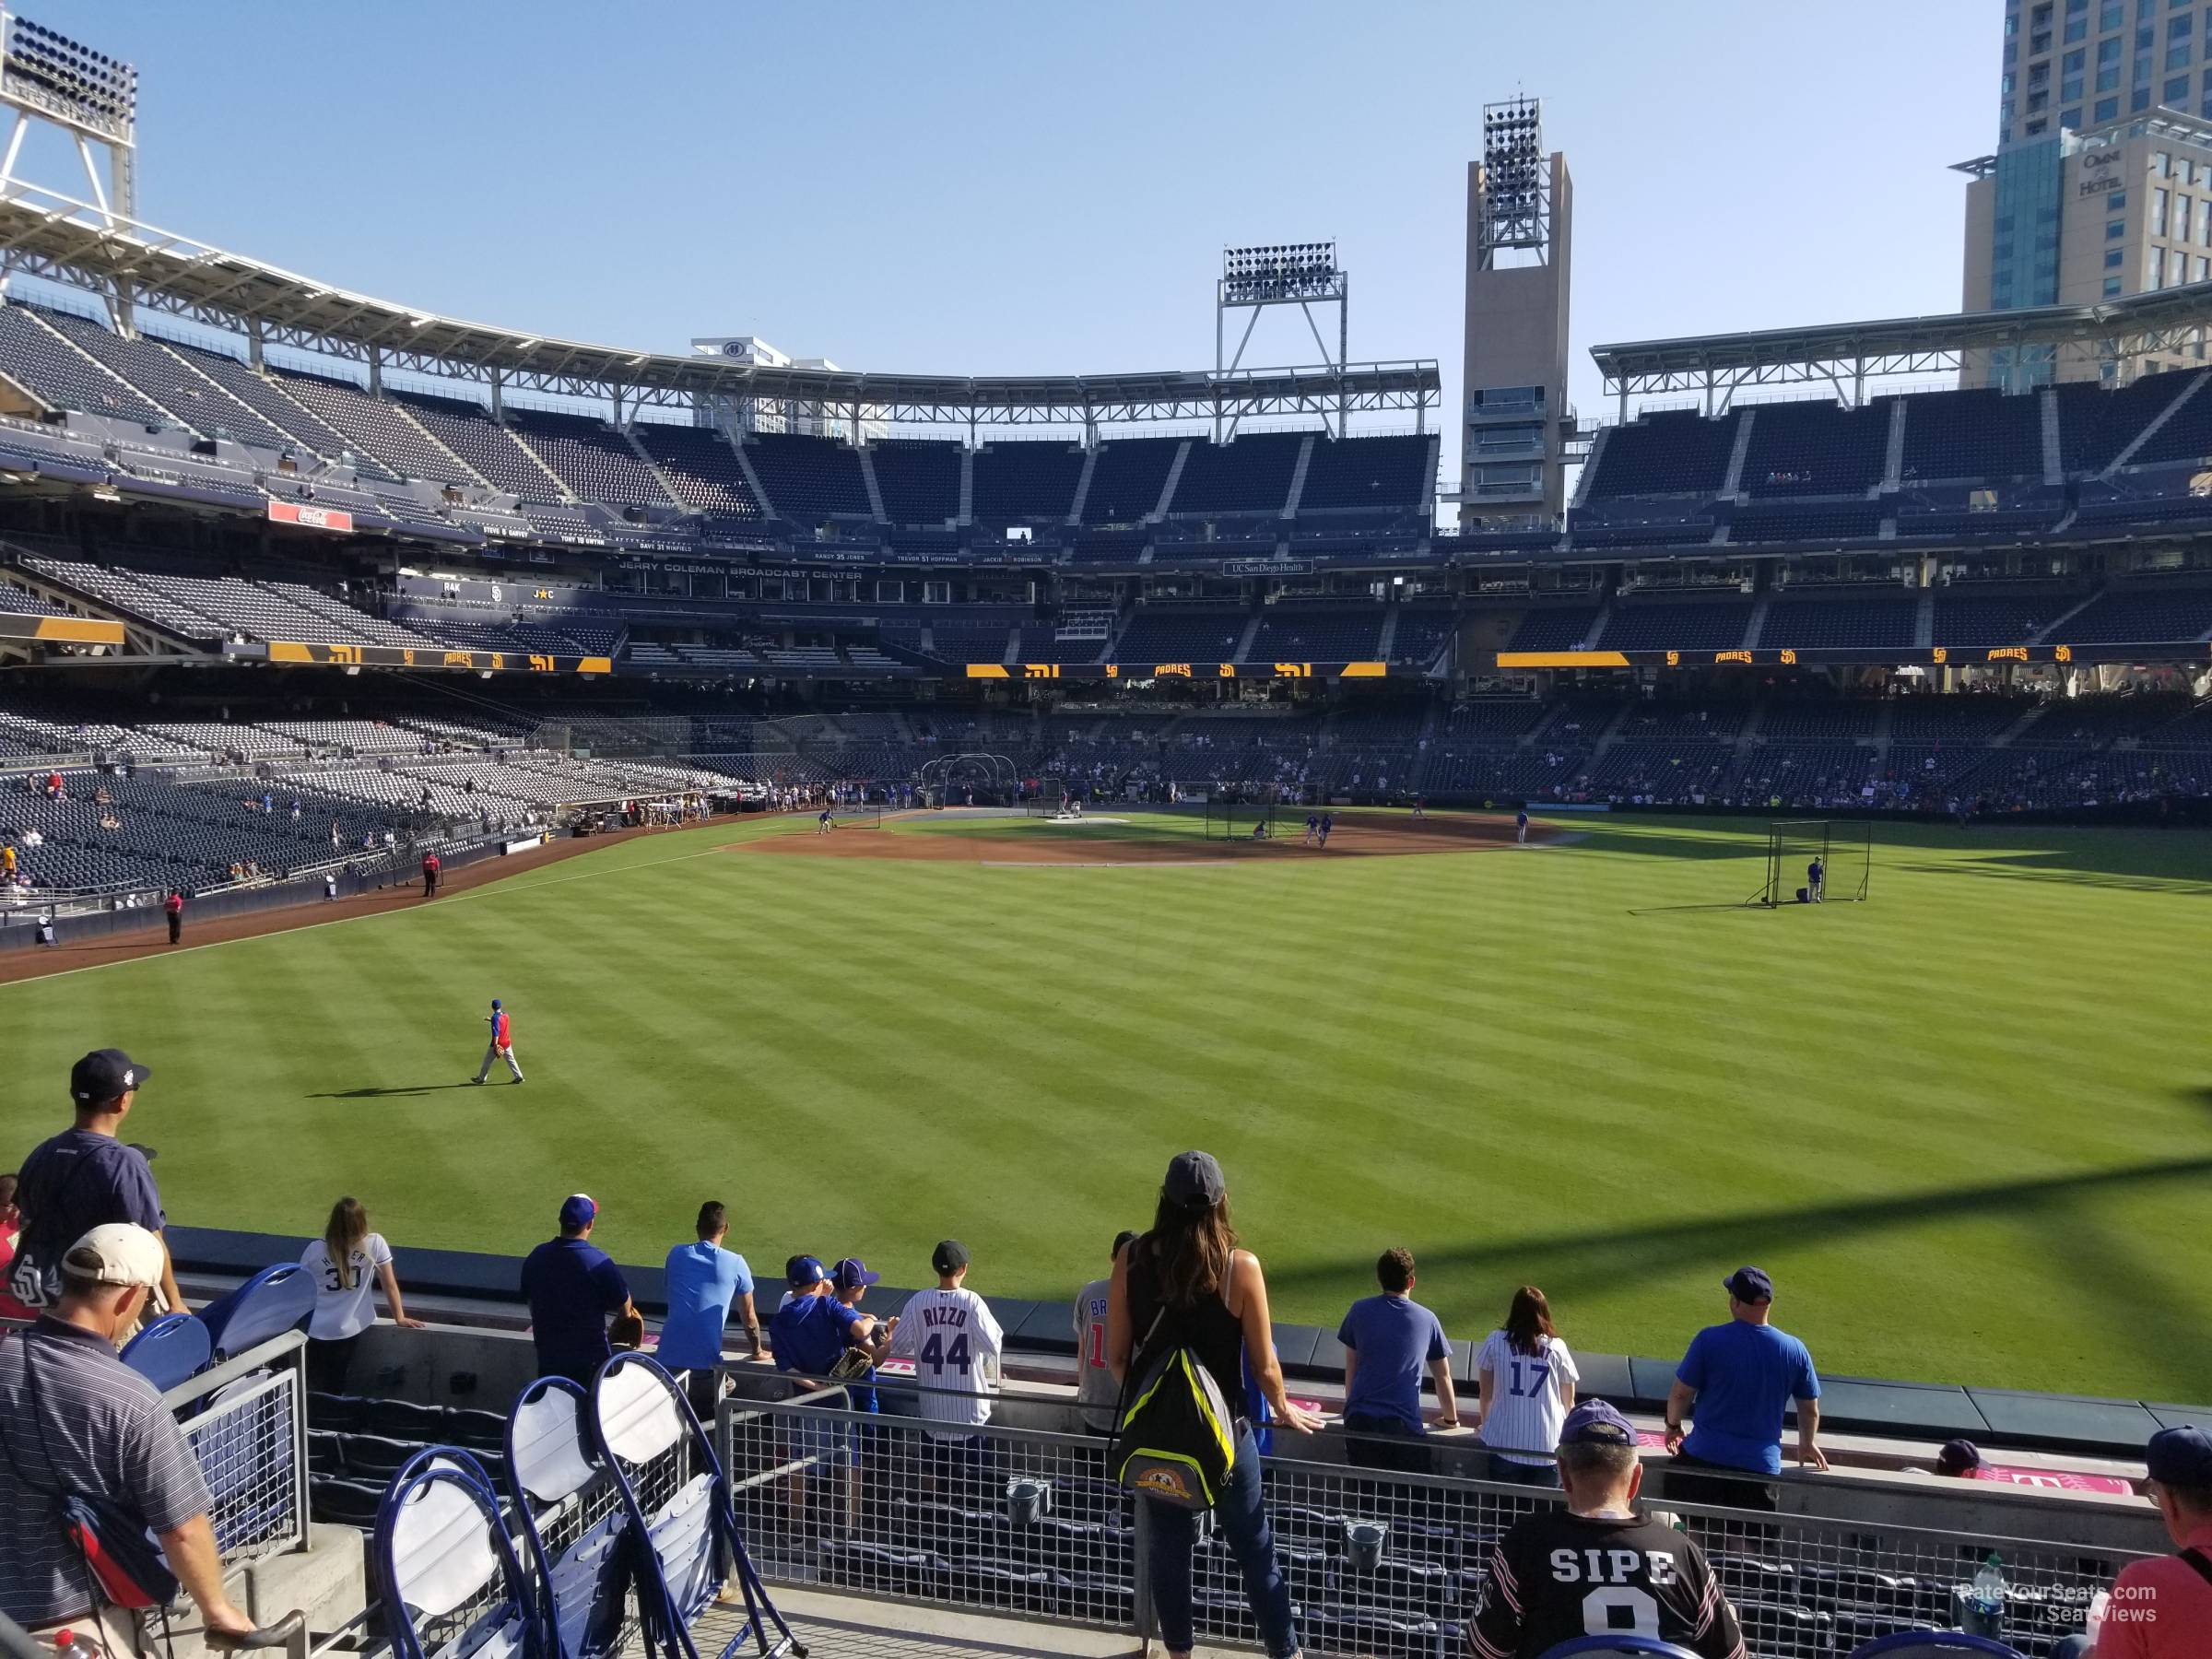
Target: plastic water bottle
<point>1985,1601</point>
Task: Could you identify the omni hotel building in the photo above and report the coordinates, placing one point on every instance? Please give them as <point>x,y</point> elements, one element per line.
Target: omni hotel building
<point>2101,182</point>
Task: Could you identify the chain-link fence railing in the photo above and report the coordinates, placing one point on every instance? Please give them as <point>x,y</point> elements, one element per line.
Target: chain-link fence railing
<point>1016,1520</point>
<point>246,1423</point>
<point>1025,1522</point>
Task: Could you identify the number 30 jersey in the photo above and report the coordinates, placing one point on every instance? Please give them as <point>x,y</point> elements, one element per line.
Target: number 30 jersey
<point>955,1344</point>
<point>1556,1576</point>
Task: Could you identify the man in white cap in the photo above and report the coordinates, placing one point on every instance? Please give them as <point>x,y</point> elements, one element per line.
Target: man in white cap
<point>75,1421</point>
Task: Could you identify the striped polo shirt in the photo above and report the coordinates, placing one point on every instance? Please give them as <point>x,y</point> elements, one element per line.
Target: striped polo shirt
<point>73,1418</point>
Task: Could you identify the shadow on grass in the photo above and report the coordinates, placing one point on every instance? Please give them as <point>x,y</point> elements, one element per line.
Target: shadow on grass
<point>2123,858</point>
<point>375,1093</point>
<point>1569,1264</point>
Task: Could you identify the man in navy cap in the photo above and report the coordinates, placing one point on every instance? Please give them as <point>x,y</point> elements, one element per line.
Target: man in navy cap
<point>1741,1377</point>
<point>2162,1608</point>
<point>85,1177</point>
<point>573,1286</point>
<point>1600,1565</point>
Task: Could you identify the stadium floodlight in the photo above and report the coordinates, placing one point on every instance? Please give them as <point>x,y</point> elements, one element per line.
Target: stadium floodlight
<point>48,78</point>
<point>1263,273</point>
<point>54,77</point>
<point>1516,182</point>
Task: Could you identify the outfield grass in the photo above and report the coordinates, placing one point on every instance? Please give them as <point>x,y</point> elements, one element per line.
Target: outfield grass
<point>1967,1126</point>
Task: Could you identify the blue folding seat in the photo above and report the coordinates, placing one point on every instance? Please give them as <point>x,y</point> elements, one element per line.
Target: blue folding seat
<point>273,1301</point>
<point>170,1350</point>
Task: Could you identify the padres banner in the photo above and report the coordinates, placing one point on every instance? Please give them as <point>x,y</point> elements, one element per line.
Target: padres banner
<point>462,662</point>
<point>1150,671</point>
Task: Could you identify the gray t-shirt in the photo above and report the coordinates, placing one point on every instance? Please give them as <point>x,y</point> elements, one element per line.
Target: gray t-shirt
<point>73,1418</point>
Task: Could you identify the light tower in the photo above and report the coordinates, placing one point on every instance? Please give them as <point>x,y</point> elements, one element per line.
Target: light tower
<point>1520,230</point>
<point>46,78</point>
<point>1301,274</point>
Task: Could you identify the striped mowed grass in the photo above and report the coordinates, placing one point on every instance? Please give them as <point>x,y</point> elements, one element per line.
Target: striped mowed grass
<point>1965,1125</point>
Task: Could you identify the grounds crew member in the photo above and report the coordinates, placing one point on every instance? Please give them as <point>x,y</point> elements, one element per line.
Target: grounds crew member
<point>173,908</point>
<point>430,875</point>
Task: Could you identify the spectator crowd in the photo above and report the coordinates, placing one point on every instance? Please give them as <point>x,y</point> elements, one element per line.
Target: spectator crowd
<point>85,1261</point>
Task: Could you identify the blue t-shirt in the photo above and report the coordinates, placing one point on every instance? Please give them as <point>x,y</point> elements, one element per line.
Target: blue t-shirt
<point>702,1280</point>
<point>810,1331</point>
<point>573,1286</point>
<point>1395,1339</point>
<point>74,1182</point>
<point>1746,1375</point>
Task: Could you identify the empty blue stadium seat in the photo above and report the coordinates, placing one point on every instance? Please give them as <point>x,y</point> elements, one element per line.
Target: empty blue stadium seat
<point>1933,1644</point>
<point>1668,454</point>
<point>1815,449</point>
<point>168,1351</point>
<point>809,478</point>
<point>1382,472</point>
<point>1249,474</point>
<point>1127,478</point>
<point>273,1301</point>
<point>1021,482</point>
<point>919,479</point>
<point>1978,434</point>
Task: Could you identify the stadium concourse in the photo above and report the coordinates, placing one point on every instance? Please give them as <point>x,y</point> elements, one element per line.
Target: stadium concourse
<point>1018,1544</point>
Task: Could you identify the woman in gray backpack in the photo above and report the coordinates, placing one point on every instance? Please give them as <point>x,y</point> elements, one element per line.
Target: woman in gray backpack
<point>1185,1284</point>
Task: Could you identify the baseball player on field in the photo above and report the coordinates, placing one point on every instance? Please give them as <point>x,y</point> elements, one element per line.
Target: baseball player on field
<point>501,1046</point>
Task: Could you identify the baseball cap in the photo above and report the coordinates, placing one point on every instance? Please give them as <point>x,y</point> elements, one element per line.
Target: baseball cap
<point>578,1210</point>
<point>850,1273</point>
<point>1749,1285</point>
<point>804,1272</point>
<point>105,1074</point>
<point>2180,1456</point>
<point>949,1256</point>
<point>1594,1423</point>
<point>116,1252</point>
<point>495,1001</point>
<point>1958,1455</point>
<point>1194,1179</point>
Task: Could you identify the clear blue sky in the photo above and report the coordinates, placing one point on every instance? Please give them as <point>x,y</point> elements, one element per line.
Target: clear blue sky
<point>1046,186</point>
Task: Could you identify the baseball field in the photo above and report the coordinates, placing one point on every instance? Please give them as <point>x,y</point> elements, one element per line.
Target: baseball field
<point>1967,1125</point>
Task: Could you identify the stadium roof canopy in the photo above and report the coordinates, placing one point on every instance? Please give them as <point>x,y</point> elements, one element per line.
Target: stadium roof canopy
<point>136,266</point>
<point>1717,366</point>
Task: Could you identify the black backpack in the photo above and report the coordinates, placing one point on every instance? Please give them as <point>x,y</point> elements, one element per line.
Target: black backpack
<point>1175,1439</point>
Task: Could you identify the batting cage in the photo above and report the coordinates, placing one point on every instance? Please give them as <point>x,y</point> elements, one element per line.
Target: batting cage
<point>971,780</point>
<point>1812,860</point>
<point>1048,800</point>
<point>1237,815</point>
